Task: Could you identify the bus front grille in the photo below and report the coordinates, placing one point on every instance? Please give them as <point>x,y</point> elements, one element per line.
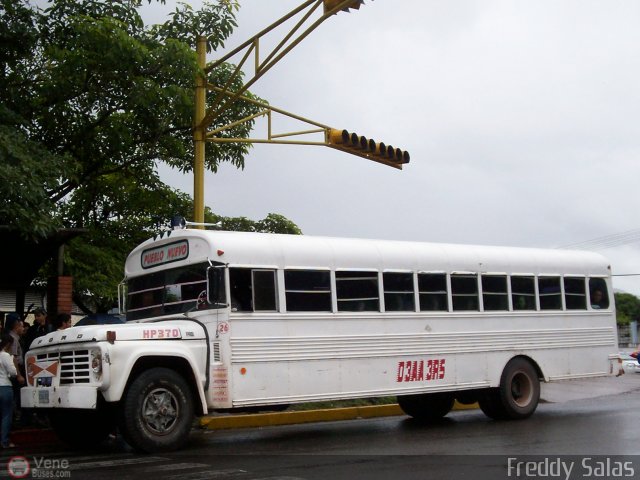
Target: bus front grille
<point>75,365</point>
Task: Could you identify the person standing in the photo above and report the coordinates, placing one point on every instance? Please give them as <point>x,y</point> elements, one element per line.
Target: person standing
<point>62,321</point>
<point>14,327</point>
<point>7,372</point>
<point>39,328</point>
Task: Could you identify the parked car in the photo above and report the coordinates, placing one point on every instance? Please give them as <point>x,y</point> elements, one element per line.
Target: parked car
<point>629,364</point>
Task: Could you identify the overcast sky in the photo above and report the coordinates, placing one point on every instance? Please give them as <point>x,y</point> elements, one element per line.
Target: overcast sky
<point>521,119</point>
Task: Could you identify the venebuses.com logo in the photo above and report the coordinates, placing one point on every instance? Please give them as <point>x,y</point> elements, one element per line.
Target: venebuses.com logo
<point>39,467</point>
<point>18,467</point>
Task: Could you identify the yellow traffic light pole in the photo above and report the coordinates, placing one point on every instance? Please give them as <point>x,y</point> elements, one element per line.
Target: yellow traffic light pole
<point>339,139</point>
<point>199,133</point>
<point>225,97</point>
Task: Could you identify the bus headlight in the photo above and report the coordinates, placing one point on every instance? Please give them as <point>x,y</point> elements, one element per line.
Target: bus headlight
<point>96,363</point>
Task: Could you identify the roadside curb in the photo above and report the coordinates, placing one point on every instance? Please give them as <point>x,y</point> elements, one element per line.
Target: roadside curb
<point>220,422</point>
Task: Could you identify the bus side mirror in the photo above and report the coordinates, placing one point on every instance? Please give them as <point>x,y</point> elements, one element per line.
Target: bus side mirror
<point>215,286</point>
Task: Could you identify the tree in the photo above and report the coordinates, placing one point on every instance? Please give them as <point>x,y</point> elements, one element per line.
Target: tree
<point>136,213</point>
<point>627,308</point>
<point>91,99</point>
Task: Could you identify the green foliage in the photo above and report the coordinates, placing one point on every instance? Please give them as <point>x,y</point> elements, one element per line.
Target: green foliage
<point>627,308</point>
<point>88,91</point>
<point>273,223</point>
<point>91,100</point>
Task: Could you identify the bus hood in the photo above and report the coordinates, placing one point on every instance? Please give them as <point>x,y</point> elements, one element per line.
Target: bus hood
<point>166,330</point>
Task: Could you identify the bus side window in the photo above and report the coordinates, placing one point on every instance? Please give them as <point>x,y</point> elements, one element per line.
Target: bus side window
<point>398,292</point>
<point>265,297</point>
<point>598,293</point>
<point>523,292</point>
<point>575,296</point>
<point>433,292</point>
<point>494,292</point>
<point>357,291</point>
<point>550,293</point>
<point>308,290</point>
<point>464,291</point>
<point>253,290</point>
<point>241,294</point>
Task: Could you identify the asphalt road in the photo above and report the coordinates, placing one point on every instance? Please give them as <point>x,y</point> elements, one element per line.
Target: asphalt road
<point>590,426</point>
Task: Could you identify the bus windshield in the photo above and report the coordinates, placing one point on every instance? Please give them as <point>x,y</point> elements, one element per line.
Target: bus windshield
<point>171,292</point>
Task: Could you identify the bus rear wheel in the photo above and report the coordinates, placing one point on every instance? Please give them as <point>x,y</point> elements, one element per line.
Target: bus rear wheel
<point>517,396</point>
<point>157,411</point>
<point>426,406</point>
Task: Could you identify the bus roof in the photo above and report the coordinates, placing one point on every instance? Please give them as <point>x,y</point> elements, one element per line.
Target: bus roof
<point>281,251</point>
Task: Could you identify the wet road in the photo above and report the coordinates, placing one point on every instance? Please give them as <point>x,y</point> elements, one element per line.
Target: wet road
<point>586,431</point>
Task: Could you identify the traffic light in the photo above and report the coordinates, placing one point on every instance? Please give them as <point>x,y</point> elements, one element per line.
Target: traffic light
<point>331,4</point>
<point>368,148</point>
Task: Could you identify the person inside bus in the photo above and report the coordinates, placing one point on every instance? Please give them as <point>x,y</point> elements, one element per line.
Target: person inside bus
<point>596,298</point>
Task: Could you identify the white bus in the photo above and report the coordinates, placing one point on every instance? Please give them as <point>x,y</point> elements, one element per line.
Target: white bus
<point>220,320</point>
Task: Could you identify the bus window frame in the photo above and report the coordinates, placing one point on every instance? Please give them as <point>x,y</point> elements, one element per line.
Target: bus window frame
<point>461,274</point>
<point>536,296</point>
<point>585,291</point>
<point>306,269</point>
<point>545,276</point>
<point>378,279</point>
<point>506,293</point>
<point>276,295</point>
<point>609,298</point>
<point>446,293</point>
<point>384,291</point>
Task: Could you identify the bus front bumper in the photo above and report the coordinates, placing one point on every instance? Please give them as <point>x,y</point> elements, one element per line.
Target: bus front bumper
<point>59,397</point>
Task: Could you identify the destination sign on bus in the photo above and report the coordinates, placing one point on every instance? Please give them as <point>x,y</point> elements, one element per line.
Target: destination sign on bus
<point>171,252</point>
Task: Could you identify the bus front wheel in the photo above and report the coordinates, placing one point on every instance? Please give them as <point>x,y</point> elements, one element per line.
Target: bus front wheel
<point>426,406</point>
<point>157,411</point>
<point>517,396</point>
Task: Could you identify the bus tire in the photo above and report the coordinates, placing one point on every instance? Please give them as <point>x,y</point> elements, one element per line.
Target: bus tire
<point>518,394</point>
<point>490,404</point>
<point>426,406</point>
<point>157,411</point>
<point>82,429</point>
